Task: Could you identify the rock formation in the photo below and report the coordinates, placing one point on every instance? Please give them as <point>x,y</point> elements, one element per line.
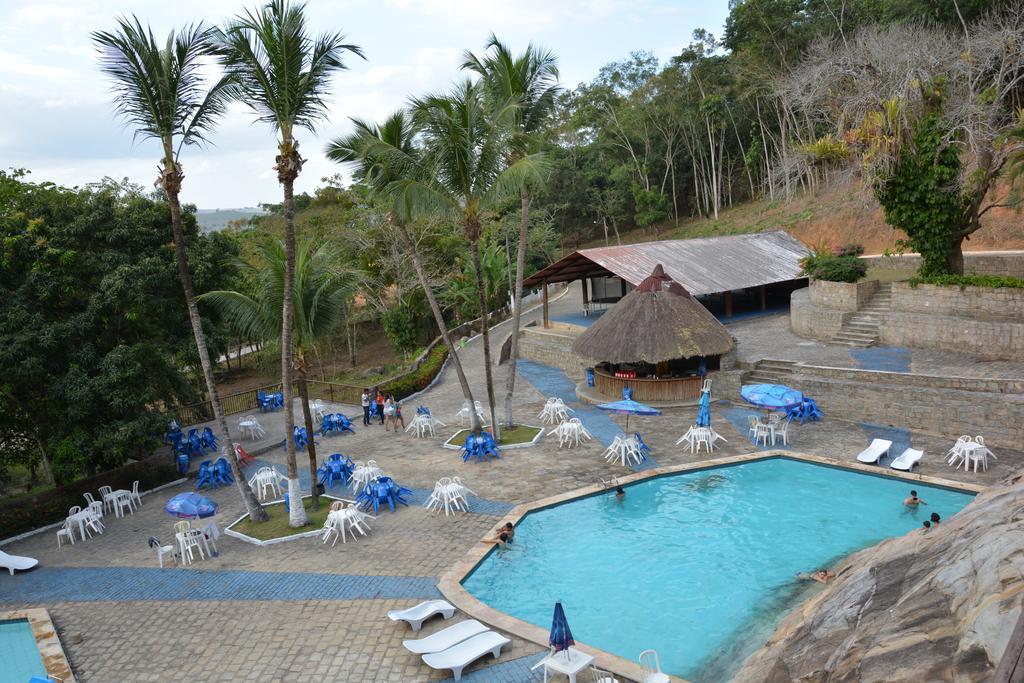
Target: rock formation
<point>928,606</point>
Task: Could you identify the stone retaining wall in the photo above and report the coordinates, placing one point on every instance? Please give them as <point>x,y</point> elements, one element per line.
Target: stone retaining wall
<point>1009,263</point>
<point>949,406</point>
<point>978,303</point>
<point>841,296</point>
<point>995,340</point>
<point>814,322</point>
<point>551,350</point>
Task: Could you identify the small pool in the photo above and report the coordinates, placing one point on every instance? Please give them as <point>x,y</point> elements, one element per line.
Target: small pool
<point>699,566</point>
<point>19,654</point>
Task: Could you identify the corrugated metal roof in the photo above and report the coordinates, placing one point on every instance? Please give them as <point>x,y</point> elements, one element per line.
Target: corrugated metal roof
<point>704,265</point>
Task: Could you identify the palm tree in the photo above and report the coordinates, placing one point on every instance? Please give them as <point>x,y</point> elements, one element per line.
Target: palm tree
<point>160,91</point>
<point>318,302</point>
<point>284,75</point>
<point>525,87</point>
<point>384,156</point>
<point>467,154</point>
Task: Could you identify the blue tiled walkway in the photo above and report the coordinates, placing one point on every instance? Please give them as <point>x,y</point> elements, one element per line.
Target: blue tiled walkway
<point>900,439</point>
<point>882,358</point>
<point>480,506</point>
<point>86,584</point>
<point>551,381</point>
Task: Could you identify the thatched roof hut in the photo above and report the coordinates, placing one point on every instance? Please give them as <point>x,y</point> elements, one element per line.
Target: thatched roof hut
<point>656,322</point>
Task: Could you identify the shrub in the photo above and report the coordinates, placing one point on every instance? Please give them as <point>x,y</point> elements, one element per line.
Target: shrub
<point>849,250</point>
<point>421,377</point>
<point>834,268</point>
<point>961,281</point>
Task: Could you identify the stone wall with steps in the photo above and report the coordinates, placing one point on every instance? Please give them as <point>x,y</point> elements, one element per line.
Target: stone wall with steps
<point>947,406</point>
<point>551,348</point>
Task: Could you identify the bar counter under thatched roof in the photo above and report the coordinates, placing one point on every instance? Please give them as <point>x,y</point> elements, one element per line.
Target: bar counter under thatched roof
<point>658,321</point>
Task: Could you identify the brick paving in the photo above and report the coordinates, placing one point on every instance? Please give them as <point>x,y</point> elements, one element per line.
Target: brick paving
<point>320,612</point>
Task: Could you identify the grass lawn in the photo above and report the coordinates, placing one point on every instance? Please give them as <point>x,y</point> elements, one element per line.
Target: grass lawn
<point>509,437</point>
<point>277,525</point>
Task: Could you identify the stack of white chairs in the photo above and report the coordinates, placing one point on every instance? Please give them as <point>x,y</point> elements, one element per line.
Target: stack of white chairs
<point>317,408</point>
<point>467,411</point>
<point>265,483</point>
<point>449,495</point>
<point>425,424</point>
<point>968,452</point>
<point>249,424</point>
<point>571,432</point>
<point>555,411</point>
<point>364,473</point>
<point>345,520</point>
<point>624,448</point>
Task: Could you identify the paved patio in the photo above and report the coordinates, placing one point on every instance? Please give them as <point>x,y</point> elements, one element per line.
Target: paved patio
<point>304,611</point>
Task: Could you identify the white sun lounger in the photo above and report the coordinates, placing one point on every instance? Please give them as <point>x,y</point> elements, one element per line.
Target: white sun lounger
<point>12,562</point>
<point>875,450</point>
<point>458,657</point>
<point>442,640</point>
<point>907,460</point>
<point>418,614</point>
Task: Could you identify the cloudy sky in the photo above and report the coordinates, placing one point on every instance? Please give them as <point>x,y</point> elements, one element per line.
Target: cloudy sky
<point>55,112</point>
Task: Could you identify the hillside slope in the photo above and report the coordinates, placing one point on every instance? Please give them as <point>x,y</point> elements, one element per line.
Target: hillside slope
<point>840,215</point>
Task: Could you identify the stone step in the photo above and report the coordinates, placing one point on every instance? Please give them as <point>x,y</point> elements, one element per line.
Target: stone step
<point>854,334</point>
<point>784,365</point>
<point>852,343</point>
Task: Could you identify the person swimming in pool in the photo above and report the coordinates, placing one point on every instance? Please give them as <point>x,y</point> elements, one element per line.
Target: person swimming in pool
<point>509,531</point>
<point>935,519</point>
<point>821,576</point>
<point>620,492</point>
<point>926,526</point>
<point>913,500</point>
<point>501,540</point>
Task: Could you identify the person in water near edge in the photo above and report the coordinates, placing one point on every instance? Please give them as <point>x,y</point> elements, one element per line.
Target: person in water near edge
<point>913,500</point>
<point>620,492</point>
<point>936,519</point>
<point>926,526</point>
<point>501,541</point>
<point>821,576</point>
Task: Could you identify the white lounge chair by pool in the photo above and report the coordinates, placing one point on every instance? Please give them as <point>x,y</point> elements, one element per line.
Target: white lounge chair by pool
<point>415,616</point>
<point>442,640</point>
<point>12,562</point>
<point>907,460</point>
<point>875,450</point>
<point>458,657</point>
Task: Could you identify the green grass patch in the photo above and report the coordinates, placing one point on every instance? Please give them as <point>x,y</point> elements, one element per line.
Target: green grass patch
<point>277,525</point>
<point>961,281</point>
<point>509,437</point>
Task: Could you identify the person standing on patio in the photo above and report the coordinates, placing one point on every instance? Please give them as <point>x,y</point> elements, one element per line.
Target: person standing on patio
<point>365,400</point>
<point>389,413</point>
<point>380,404</point>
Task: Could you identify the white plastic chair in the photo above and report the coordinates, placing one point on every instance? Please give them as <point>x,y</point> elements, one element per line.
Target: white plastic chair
<point>88,498</point>
<point>182,527</point>
<point>753,422</point>
<point>781,429</point>
<point>762,433</point>
<point>74,510</point>
<point>162,550</point>
<point>65,532</point>
<point>190,541</point>
<point>652,668</point>
<point>136,496</point>
<point>106,493</point>
<point>955,455</point>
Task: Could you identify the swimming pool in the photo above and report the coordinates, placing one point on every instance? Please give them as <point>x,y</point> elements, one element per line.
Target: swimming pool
<point>18,652</point>
<point>700,565</point>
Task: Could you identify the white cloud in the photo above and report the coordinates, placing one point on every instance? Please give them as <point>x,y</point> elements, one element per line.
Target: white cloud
<point>16,64</point>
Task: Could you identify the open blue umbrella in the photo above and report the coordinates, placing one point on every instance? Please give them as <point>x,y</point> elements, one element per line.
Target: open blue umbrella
<point>561,636</point>
<point>627,406</point>
<point>191,506</point>
<point>771,396</point>
<point>704,409</point>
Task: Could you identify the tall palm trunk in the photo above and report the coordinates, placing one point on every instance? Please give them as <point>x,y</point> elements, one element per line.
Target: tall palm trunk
<point>288,165</point>
<point>300,372</point>
<point>517,304</point>
<point>453,353</point>
<point>485,324</point>
<point>171,178</point>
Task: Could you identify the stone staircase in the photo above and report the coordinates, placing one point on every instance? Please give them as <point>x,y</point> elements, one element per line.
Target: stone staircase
<point>861,329</point>
<point>770,372</point>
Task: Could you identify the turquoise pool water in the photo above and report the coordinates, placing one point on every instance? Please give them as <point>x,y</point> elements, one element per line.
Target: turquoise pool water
<point>699,566</point>
<point>19,656</point>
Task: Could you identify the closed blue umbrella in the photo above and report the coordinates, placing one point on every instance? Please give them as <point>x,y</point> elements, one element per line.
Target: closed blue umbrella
<point>561,636</point>
<point>191,506</point>
<point>627,406</point>
<point>704,409</point>
<point>771,396</point>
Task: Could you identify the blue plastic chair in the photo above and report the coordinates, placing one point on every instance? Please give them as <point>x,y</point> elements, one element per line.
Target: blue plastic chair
<point>208,439</point>
<point>382,490</point>
<point>327,426</point>
<point>222,472</point>
<point>343,424</point>
<point>645,450</point>
<point>206,476</point>
<point>277,400</point>
<point>265,403</point>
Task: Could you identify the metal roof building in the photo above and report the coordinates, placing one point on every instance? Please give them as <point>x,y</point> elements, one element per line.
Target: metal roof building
<point>705,265</point>
<point>759,266</point>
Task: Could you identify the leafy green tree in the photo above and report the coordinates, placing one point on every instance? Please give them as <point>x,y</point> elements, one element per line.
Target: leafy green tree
<point>318,300</point>
<point>284,75</point>
<point>525,89</point>
<point>161,92</point>
<point>93,332</point>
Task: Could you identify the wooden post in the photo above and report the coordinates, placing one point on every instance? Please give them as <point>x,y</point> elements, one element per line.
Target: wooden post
<point>728,304</point>
<point>764,298</point>
<point>546,322</point>
<point>586,300</point>
<point>622,286</point>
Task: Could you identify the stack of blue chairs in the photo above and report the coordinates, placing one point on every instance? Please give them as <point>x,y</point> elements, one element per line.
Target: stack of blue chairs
<point>208,440</point>
<point>336,470</point>
<point>807,410</point>
<point>222,472</point>
<point>205,476</point>
<point>269,402</point>
<point>300,436</point>
<point>382,490</point>
<point>335,423</point>
<point>195,443</point>
<point>423,410</point>
<point>480,448</point>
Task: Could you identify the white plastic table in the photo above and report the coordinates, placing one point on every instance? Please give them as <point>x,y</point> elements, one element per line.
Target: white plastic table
<point>570,432</point>
<point>422,424</point>
<point>364,474</point>
<point>568,662</point>
<point>624,449</point>
<point>82,519</point>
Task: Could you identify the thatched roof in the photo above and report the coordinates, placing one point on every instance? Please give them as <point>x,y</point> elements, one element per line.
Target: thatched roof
<point>657,321</point>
